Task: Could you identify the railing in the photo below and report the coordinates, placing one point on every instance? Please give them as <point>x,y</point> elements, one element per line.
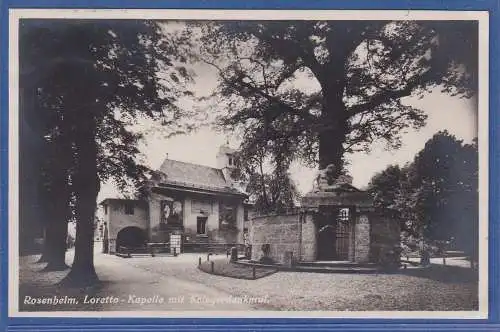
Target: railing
<point>211,247</point>
<point>152,249</point>
<point>161,248</point>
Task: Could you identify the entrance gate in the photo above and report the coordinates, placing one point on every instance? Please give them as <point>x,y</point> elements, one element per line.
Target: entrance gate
<point>334,230</point>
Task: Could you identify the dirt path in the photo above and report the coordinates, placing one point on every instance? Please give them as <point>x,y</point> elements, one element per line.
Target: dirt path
<point>126,285</point>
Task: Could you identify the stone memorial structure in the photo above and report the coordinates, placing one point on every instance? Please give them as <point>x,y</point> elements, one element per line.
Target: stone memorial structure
<point>335,222</point>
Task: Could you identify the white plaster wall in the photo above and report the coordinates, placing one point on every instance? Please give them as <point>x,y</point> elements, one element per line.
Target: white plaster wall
<point>191,210</point>
<point>119,220</point>
<point>214,221</point>
<point>187,220</point>
<point>191,213</point>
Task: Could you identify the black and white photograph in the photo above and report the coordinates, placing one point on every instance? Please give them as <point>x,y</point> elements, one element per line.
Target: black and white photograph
<point>248,163</point>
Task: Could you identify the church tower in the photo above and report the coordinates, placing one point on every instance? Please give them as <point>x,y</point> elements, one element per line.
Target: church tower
<point>226,161</point>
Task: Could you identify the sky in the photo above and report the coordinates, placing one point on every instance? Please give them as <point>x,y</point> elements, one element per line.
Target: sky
<point>454,114</point>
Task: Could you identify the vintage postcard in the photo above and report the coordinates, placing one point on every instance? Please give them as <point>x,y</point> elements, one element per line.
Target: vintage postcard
<point>248,163</point>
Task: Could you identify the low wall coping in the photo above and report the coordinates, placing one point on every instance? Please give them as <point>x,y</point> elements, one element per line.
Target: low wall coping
<point>275,215</point>
<point>358,199</point>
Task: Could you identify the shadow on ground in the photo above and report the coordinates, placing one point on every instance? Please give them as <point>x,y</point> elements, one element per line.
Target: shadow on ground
<point>444,273</point>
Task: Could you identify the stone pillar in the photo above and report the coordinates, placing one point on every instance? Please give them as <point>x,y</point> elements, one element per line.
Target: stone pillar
<point>154,218</point>
<point>362,239</point>
<point>308,233</point>
<point>234,254</point>
<point>240,220</point>
<point>112,246</point>
<point>288,258</point>
<point>352,237</point>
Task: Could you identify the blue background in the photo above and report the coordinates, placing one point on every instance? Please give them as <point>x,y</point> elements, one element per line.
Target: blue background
<point>253,324</point>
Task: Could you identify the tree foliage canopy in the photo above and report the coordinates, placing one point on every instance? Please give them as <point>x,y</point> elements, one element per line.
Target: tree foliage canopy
<point>331,87</point>
<point>116,72</point>
<point>267,181</point>
<point>435,196</point>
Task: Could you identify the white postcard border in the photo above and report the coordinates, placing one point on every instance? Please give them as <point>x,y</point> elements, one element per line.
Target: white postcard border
<point>183,14</point>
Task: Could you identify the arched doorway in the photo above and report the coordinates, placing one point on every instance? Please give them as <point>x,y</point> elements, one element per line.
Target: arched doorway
<point>130,237</point>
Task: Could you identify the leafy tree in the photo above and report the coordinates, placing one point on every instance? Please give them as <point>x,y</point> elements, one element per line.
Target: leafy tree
<point>362,70</point>
<point>408,204</point>
<point>106,75</point>
<point>436,196</point>
<point>271,192</point>
<point>466,201</point>
<point>393,192</point>
<point>446,175</point>
<point>385,187</point>
<point>437,174</point>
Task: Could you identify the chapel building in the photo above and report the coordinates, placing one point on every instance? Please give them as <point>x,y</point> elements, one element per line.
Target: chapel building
<point>189,205</point>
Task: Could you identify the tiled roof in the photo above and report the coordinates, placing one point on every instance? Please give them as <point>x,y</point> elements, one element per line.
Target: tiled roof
<point>110,200</point>
<point>193,175</point>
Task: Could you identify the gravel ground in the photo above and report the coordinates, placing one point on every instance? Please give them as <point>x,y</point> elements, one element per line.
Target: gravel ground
<point>439,288</point>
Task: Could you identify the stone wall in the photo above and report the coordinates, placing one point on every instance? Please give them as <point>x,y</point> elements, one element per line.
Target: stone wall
<point>281,232</point>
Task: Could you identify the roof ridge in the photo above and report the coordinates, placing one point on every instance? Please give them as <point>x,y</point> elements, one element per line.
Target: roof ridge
<point>190,163</point>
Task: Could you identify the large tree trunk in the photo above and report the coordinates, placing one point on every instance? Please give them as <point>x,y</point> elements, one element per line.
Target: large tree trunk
<point>56,195</point>
<point>56,216</point>
<point>57,213</point>
<point>333,135</point>
<point>44,258</point>
<point>82,271</point>
<point>55,245</point>
<point>86,184</point>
